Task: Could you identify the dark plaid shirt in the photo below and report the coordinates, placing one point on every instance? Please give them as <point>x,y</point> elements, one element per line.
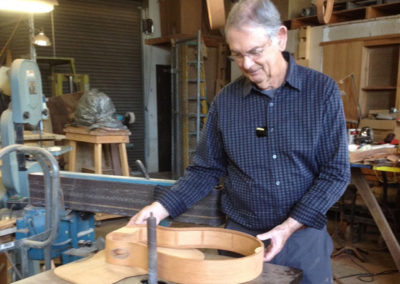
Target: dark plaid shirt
<point>299,169</point>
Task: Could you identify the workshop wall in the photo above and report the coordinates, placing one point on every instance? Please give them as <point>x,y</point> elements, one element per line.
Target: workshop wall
<point>104,37</point>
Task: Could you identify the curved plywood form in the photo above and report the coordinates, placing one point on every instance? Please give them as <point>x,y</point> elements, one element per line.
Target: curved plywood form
<point>127,247</point>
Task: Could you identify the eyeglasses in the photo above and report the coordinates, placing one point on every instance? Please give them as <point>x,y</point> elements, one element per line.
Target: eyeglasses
<point>254,53</point>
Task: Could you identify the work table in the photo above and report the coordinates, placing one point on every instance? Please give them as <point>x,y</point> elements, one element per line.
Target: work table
<point>272,274</point>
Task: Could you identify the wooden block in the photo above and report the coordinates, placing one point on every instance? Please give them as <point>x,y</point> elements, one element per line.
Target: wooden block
<point>304,32</point>
<point>303,49</point>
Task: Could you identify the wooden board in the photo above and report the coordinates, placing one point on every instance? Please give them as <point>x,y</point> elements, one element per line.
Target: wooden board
<point>123,196</point>
<point>95,269</point>
<point>98,131</point>
<point>340,61</point>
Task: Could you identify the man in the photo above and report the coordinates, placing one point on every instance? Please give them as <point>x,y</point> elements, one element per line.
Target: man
<point>277,135</point>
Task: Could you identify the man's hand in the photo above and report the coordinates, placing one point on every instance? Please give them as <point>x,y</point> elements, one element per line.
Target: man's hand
<point>156,208</point>
<point>278,236</point>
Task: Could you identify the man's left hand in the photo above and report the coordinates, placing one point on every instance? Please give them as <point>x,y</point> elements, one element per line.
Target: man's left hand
<point>278,236</point>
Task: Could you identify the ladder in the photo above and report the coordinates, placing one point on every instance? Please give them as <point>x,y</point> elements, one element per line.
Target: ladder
<point>190,104</point>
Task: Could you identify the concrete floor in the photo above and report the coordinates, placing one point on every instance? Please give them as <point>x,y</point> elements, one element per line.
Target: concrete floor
<point>377,265</point>
<point>377,258</point>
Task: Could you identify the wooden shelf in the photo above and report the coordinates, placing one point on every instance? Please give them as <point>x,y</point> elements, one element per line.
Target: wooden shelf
<point>379,88</point>
<point>167,41</point>
<point>361,13</point>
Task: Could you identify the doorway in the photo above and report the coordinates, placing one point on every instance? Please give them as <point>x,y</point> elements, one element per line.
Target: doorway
<point>163,75</point>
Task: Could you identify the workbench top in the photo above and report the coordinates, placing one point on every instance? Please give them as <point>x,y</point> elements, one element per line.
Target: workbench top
<point>272,274</point>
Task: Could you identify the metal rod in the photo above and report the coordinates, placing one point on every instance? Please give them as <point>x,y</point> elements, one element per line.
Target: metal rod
<point>31,36</point>
<point>143,169</point>
<point>172,78</point>
<point>71,83</point>
<point>198,86</point>
<point>53,37</point>
<point>152,249</point>
<point>177,112</point>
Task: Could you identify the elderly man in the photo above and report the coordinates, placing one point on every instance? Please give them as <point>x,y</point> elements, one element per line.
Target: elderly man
<point>278,137</point>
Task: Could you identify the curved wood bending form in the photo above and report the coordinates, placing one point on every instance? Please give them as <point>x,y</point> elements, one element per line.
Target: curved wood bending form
<point>128,246</point>
<point>324,13</point>
<point>216,13</point>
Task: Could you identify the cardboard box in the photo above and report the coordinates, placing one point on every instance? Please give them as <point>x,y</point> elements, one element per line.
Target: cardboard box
<point>180,16</point>
<point>381,128</point>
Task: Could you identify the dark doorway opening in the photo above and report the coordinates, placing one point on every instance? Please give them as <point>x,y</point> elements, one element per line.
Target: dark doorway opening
<point>163,74</point>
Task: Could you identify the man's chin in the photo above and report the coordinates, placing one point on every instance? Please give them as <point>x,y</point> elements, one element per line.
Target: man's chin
<point>254,78</point>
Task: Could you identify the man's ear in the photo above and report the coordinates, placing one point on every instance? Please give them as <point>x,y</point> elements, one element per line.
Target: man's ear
<point>282,38</point>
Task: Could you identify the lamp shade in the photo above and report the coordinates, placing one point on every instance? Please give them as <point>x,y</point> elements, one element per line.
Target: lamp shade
<point>41,39</point>
<point>28,6</point>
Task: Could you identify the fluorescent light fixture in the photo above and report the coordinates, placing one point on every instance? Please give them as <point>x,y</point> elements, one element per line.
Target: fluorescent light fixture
<point>41,39</point>
<point>28,6</point>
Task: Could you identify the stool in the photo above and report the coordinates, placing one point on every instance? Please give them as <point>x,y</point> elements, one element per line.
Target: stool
<point>98,137</point>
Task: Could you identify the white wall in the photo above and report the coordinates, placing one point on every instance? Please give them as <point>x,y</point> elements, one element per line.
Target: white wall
<point>151,57</point>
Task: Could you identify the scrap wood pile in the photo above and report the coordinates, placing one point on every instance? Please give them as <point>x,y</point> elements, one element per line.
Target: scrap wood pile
<point>383,156</point>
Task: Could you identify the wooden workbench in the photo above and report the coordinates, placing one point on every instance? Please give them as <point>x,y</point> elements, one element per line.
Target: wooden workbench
<point>272,274</point>
<point>359,181</point>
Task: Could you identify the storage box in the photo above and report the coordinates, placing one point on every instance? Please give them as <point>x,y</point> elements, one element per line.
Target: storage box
<point>180,16</point>
<point>381,128</point>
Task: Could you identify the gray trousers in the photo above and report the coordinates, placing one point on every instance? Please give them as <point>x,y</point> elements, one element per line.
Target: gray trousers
<point>307,249</point>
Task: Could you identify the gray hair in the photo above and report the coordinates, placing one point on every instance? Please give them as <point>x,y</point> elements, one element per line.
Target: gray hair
<point>256,13</point>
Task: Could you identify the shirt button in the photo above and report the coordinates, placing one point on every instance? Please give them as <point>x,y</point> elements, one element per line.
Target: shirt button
<point>271,129</point>
<point>271,104</point>
<point>278,182</point>
<point>274,157</point>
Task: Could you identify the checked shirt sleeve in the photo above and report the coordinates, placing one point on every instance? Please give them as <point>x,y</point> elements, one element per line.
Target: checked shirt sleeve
<point>332,160</point>
<point>203,174</point>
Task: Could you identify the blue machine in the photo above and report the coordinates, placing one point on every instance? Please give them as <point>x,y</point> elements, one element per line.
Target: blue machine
<point>75,229</point>
<point>26,108</point>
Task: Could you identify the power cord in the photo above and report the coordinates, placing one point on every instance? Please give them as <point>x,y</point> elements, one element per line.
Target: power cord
<point>367,276</point>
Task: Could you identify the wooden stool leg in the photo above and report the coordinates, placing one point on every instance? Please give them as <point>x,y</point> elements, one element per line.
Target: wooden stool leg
<point>124,159</point>
<point>97,158</point>
<point>72,156</point>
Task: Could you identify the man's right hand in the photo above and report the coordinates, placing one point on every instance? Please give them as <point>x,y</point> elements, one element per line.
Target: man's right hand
<point>156,208</point>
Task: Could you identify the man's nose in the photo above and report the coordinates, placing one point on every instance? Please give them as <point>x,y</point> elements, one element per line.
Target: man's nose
<point>247,62</point>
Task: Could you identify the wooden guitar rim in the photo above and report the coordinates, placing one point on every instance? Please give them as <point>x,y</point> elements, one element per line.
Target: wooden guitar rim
<point>324,13</point>
<point>128,246</point>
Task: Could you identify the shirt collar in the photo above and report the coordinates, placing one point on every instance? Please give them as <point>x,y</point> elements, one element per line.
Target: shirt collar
<point>290,76</point>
